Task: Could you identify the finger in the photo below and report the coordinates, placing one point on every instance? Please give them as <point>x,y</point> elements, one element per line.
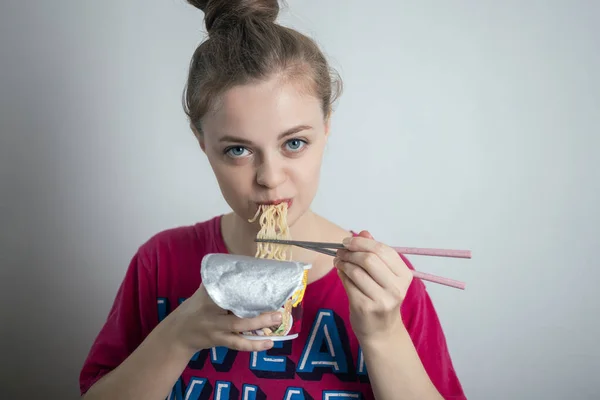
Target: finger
<point>388,255</point>
<point>365,234</point>
<point>374,266</point>
<point>361,279</point>
<point>232,323</point>
<point>236,342</point>
<point>355,295</point>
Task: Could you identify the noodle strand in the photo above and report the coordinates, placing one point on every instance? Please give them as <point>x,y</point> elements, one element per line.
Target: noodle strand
<point>274,225</point>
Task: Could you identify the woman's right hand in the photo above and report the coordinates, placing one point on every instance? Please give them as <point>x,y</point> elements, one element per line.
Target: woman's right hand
<point>198,324</point>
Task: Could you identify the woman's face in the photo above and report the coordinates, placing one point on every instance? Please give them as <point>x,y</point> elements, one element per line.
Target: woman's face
<point>265,144</point>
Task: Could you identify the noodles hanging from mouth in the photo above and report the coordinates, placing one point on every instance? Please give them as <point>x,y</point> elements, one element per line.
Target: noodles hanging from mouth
<point>274,225</point>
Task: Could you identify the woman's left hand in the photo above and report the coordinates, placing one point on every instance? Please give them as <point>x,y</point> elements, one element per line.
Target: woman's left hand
<point>376,280</point>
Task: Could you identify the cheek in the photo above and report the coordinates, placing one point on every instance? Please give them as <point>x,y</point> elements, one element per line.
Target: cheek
<point>233,177</point>
<point>310,172</point>
<point>233,180</point>
<point>307,173</point>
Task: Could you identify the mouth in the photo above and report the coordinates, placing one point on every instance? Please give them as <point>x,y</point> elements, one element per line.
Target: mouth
<point>276,202</point>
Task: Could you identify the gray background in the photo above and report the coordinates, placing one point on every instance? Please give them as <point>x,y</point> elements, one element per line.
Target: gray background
<point>482,119</point>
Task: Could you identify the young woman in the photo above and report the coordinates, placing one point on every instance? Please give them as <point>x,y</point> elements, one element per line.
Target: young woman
<point>259,99</point>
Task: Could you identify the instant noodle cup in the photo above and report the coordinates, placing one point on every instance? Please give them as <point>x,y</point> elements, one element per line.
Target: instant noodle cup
<point>249,286</point>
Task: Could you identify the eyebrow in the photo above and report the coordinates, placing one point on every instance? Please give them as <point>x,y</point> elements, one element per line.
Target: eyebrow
<point>289,132</point>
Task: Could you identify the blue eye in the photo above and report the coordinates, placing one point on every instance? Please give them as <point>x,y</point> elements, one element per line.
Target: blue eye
<point>295,144</point>
<point>236,151</point>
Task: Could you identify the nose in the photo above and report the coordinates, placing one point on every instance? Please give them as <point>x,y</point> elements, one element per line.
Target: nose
<point>270,173</point>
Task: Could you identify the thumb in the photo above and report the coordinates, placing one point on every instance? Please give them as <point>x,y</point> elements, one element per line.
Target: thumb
<point>365,234</point>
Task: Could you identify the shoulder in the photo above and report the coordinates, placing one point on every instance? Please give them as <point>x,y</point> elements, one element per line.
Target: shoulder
<point>201,237</point>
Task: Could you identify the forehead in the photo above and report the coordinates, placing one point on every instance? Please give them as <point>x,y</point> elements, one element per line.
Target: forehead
<point>262,109</point>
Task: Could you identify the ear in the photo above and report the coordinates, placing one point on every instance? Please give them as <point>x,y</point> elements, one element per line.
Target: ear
<point>199,137</point>
<point>327,124</point>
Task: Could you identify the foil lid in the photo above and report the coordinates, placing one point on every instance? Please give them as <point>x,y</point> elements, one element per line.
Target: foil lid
<point>249,286</point>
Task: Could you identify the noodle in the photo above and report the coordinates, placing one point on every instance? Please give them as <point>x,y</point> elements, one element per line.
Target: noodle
<point>273,225</point>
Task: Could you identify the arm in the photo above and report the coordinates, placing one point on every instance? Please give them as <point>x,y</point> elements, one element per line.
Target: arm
<point>150,372</point>
<point>395,369</point>
<point>396,324</point>
<point>133,357</point>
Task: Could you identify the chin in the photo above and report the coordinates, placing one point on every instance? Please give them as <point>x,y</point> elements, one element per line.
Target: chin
<point>295,213</point>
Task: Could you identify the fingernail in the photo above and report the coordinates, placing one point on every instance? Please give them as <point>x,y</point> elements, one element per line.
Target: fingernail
<point>346,242</point>
<point>276,317</point>
<point>336,260</point>
<point>268,344</point>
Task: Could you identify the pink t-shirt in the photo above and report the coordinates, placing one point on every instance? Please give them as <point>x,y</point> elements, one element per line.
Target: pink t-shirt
<point>324,362</point>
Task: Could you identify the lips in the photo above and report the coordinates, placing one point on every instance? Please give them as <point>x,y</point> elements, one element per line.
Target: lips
<point>276,202</point>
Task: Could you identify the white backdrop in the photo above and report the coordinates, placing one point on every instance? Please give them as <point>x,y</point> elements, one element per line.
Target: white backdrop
<point>464,124</point>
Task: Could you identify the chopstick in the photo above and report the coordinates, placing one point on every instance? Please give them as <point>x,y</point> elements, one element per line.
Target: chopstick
<point>417,274</point>
<point>404,250</point>
<point>314,246</point>
<point>439,280</point>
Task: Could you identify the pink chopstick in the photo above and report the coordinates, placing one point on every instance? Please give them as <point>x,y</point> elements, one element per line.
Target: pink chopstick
<point>439,280</point>
<point>434,252</point>
<point>323,248</point>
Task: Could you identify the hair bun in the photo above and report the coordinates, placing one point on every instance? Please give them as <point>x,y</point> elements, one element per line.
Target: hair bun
<point>222,14</point>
